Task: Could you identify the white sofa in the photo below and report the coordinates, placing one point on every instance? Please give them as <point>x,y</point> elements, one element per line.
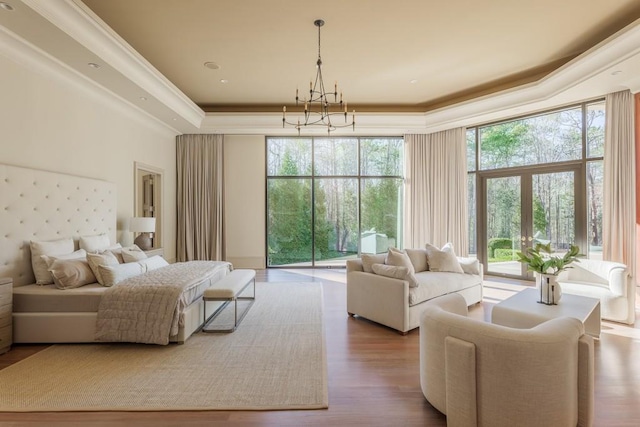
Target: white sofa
<point>393,303</point>
<point>608,281</point>
<point>481,374</point>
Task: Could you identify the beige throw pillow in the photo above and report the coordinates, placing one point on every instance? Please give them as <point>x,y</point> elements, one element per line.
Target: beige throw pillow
<point>105,258</point>
<point>399,258</point>
<point>369,259</point>
<point>418,259</point>
<point>444,259</point>
<point>469,265</point>
<point>71,273</point>
<point>133,254</point>
<point>49,248</point>
<point>394,272</point>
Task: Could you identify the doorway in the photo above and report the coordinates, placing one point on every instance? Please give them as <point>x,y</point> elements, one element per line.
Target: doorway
<point>525,206</point>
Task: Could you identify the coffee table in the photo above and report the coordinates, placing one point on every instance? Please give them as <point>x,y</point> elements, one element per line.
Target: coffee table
<point>522,311</point>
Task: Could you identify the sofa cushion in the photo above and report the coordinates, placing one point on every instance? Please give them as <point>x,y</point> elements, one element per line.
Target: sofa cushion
<point>418,259</point>
<point>443,259</point>
<point>401,273</point>
<point>369,259</point>
<point>469,265</point>
<point>434,284</point>
<point>399,258</point>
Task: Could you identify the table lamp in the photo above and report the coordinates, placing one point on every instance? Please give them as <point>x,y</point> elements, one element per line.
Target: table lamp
<point>146,226</point>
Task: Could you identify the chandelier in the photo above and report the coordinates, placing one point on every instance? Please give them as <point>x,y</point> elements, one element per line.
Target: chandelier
<point>321,108</point>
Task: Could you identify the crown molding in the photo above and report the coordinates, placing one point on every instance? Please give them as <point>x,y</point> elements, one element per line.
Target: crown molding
<point>79,22</point>
<point>22,52</point>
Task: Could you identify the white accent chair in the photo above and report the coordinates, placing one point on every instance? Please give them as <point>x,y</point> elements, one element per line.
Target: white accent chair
<point>605,280</point>
<point>481,374</point>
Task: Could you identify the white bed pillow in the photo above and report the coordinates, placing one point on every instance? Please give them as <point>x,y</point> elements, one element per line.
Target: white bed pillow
<point>96,243</point>
<point>105,258</point>
<point>71,273</point>
<point>443,259</point>
<point>154,262</point>
<point>133,254</point>
<point>116,249</point>
<point>49,248</point>
<point>112,274</point>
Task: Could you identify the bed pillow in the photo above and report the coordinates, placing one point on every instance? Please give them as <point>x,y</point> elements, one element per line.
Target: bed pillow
<point>401,273</point>
<point>154,262</point>
<point>105,258</point>
<point>418,259</point>
<point>71,273</point>
<point>112,274</point>
<point>133,254</point>
<point>96,243</point>
<point>116,249</point>
<point>49,248</point>
<point>443,259</point>
<point>399,258</point>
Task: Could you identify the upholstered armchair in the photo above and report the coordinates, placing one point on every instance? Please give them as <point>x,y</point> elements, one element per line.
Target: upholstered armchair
<point>605,280</point>
<point>480,374</point>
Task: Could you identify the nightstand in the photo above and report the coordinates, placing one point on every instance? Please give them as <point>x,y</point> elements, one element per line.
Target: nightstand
<point>6,309</point>
<point>155,251</point>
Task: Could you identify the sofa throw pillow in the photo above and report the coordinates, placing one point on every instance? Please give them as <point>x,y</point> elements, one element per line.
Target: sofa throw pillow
<point>399,258</point>
<point>443,259</point>
<point>71,273</point>
<point>133,254</point>
<point>105,258</point>
<point>369,259</point>
<point>96,243</point>
<point>112,274</point>
<point>418,259</point>
<point>394,272</point>
<point>470,265</point>
<point>49,248</point>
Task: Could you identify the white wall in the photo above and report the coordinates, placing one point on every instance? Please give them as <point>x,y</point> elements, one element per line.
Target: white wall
<point>245,204</point>
<point>47,122</point>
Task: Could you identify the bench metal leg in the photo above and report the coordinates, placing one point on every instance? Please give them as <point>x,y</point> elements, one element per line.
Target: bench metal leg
<point>237,320</point>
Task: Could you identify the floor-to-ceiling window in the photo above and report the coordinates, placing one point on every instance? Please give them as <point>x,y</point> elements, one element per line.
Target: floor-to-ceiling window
<point>329,199</point>
<point>536,179</point>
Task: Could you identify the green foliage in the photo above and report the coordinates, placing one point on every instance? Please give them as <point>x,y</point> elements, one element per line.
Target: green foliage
<point>544,263</point>
<point>498,243</point>
<point>539,216</point>
<point>504,255</point>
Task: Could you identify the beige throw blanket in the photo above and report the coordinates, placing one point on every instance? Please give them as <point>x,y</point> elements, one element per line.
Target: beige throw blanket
<point>147,308</point>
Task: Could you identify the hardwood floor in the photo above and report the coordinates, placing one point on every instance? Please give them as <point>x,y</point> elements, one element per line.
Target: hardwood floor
<point>373,373</point>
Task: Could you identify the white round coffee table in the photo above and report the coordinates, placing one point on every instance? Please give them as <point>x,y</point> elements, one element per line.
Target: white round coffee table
<point>522,311</point>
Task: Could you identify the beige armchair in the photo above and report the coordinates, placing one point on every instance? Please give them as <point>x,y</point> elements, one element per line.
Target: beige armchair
<point>605,280</point>
<point>482,374</point>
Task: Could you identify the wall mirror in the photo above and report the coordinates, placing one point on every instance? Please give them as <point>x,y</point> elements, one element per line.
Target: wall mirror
<point>148,190</point>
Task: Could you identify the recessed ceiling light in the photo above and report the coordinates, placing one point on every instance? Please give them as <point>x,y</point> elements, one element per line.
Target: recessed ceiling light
<point>414,81</point>
<point>212,65</point>
<point>6,6</point>
<point>174,119</point>
<point>93,65</point>
<point>224,81</point>
<point>143,98</point>
<point>616,72</point>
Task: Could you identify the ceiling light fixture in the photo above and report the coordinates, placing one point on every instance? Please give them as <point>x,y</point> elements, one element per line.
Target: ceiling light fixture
<point>143,98</point>
<point>616,72</point>
<point>6,6</point>
<point>224,81</point>
<point>93,65</point>
<point>212,65</point>
<point>317,108</point>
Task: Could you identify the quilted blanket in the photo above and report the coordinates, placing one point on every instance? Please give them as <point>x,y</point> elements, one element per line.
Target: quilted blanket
<point>147,308</point>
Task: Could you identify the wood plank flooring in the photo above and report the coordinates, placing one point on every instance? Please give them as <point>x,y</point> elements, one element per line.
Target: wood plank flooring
<point>373,374</point>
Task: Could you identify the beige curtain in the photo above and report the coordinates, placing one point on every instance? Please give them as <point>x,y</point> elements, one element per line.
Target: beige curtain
<point>619,181</point>
<point>436,190</point>
<point>199,197</point>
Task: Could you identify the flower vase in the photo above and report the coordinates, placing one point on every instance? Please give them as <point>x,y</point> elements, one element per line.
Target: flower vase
<point>548,288</point>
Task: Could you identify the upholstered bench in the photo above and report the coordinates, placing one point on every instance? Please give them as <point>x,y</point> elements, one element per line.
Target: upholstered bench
<point>228,290</point>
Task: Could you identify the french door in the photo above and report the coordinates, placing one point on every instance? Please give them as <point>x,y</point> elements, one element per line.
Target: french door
<point>524,206</point>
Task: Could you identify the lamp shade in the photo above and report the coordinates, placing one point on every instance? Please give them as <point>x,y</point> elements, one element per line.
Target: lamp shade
<point>142,225</point>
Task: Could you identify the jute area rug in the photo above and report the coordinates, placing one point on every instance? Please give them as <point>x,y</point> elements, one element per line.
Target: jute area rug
<point>275,360</point>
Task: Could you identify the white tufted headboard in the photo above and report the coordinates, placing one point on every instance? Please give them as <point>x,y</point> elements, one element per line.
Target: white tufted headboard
<point>40,205</point>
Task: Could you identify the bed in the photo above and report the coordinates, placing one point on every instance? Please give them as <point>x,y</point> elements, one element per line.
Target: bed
<point>37,205</point>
